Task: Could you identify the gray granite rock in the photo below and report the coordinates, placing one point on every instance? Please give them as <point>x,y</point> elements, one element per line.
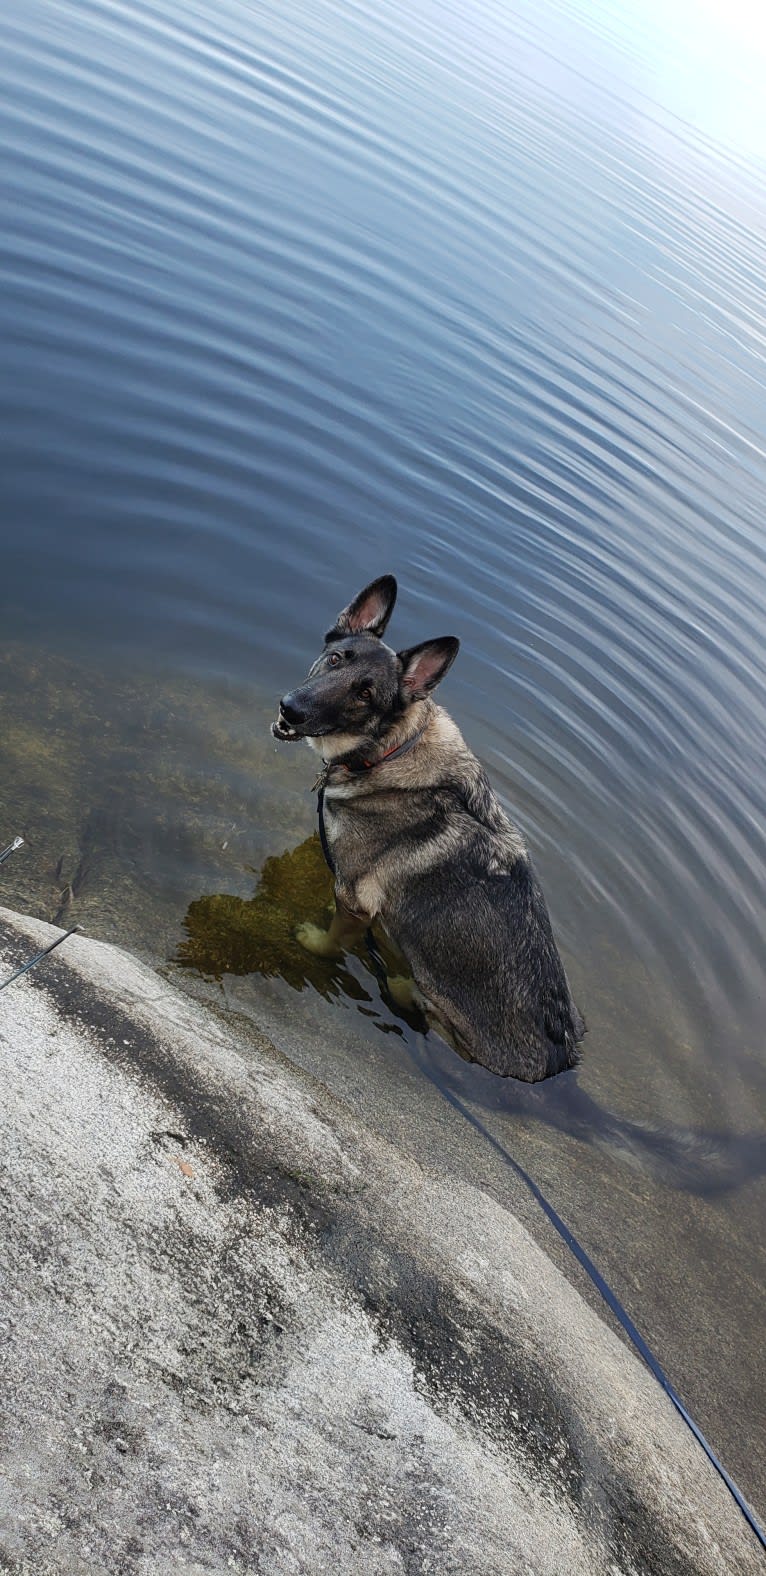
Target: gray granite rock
<point>244,1334</point>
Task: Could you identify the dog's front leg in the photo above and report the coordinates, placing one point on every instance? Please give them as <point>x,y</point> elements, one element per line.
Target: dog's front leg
<point>341,935</point>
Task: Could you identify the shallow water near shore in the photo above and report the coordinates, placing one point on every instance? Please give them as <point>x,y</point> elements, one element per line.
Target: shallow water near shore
<point>292,298</point>
<point>159,815</point>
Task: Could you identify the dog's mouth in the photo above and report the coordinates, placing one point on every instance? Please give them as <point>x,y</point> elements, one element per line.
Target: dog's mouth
<point>284,730</point>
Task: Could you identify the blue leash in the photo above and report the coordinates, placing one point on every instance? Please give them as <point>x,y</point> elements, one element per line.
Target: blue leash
<point>610,1298</point>
<point>613,1302</point>
<point>30,963</point>
<point>38,957</point>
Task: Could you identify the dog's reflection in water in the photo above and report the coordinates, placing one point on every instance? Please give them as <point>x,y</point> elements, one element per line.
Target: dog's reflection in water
<point>226,934</point>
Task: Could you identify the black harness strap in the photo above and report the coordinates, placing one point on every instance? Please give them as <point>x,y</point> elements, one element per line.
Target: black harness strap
<point>323,834</point>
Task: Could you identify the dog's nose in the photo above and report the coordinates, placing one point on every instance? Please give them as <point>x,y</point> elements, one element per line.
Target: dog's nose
<point>290,711</point>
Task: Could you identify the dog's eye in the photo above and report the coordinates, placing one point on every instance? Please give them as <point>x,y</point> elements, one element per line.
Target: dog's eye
<point>366,693</point>
<point>334,659</point>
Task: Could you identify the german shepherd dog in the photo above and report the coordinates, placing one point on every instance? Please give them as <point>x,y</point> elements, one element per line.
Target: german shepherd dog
<point>417,839</point>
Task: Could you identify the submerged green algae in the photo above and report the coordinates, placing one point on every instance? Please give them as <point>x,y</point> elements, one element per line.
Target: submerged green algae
<point>227,934</point>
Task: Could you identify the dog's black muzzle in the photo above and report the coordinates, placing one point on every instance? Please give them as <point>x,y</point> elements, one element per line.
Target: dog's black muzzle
<point>294,720</point>
<point>313,709</point>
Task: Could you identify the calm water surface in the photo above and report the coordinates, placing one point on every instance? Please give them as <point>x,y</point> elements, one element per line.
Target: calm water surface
<point>295,295</point>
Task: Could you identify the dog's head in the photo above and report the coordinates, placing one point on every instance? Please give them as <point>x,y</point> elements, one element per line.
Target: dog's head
<point>359,687</point>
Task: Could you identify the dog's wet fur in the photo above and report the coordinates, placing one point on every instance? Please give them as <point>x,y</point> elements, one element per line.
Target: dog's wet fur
<point>420,842</point>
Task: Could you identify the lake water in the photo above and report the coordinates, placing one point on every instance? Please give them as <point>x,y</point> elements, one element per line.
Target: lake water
<point>296,295</point>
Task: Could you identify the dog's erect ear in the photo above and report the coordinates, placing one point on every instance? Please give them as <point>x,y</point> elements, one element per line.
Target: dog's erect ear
<point>369,612</point>
<point>424,666</point>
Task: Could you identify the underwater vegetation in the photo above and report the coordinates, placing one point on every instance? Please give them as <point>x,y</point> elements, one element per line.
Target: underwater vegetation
<point>226,934</point>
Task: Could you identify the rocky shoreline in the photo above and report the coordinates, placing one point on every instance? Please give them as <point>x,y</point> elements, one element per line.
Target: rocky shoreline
<point>246,1334</point>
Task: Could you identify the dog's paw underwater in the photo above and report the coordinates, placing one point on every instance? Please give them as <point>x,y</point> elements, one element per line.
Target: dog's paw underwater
<point>417,840</point>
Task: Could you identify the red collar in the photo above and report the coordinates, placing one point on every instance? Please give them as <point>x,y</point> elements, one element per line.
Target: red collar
<point>397,749</point>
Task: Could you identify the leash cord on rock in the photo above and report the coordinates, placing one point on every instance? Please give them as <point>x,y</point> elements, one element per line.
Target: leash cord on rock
<point>30,963</point>
<point>38,957</point>
<point>613,1303</point>
<point>610,1298</point>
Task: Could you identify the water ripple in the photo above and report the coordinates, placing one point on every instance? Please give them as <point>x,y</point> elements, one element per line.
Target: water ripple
<point>294,295</point>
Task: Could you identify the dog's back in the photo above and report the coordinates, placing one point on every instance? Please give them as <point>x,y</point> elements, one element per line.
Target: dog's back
<point>482,951</point>
<point>424,844</point>
<point>474,926</point>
